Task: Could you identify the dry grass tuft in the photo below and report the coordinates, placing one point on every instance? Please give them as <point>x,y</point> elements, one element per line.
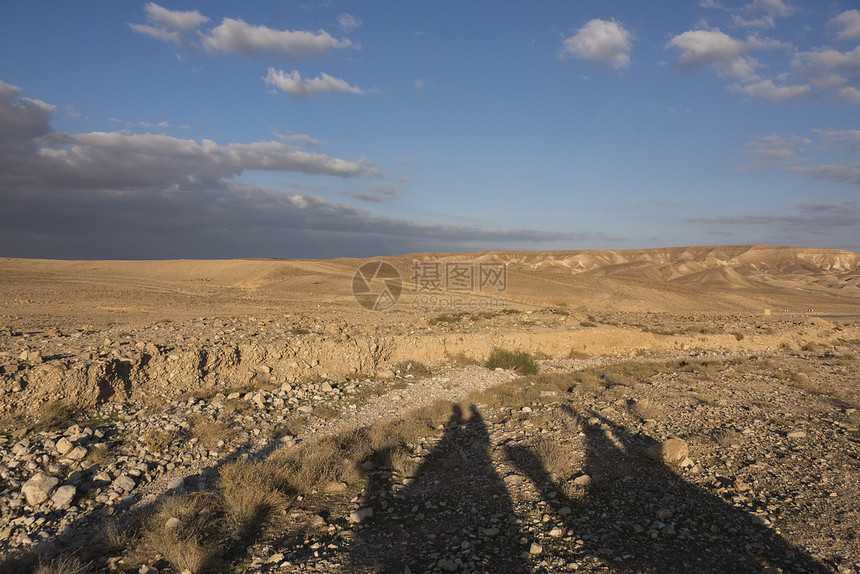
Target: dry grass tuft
<point>62,565</point>
<point>158,440</point>
<point>56,415</point>
<point>209,432</point>
<point>325,412</point>
<point>292,426</point>
<point>188,546</point>
<point>247,501</point>
<point>17,562</point>
<point>100,455</point>
<point>556,457</point>
<point>414,368</point>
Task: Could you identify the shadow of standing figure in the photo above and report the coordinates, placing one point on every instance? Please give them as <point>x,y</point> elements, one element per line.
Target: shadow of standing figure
<point>456,514</point>
<point>637,515</point>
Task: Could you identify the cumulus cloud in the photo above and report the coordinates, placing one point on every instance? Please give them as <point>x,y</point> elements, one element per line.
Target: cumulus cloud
<point>601,40</point>
<point>118,195</point>
<point>728,58</point>
<point>102,160</point>
<point>831,59</point>
<point>846,25</point>
<point>773,92</point>
<point>236,36</point>
<point>175,19</point>
<point>170,25</point>
<point>293,84</point>
<point>701,47</point>
<point>761,13</point>
<point>829,69</point>
<point>22,119</point>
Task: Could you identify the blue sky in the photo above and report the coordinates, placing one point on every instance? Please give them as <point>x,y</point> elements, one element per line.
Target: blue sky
<point>326,129</point>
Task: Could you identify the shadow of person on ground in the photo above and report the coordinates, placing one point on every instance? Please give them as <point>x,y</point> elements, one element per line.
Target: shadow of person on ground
<point>456,514</point>
<point>637,515</point>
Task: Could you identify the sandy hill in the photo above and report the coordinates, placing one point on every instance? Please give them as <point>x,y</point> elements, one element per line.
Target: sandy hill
<point>715,279</point>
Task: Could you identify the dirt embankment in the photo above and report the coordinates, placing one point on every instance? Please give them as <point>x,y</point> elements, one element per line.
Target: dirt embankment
<point>148,363</point>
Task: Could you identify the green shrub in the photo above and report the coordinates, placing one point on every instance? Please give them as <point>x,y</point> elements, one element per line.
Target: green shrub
<point>519,361</point>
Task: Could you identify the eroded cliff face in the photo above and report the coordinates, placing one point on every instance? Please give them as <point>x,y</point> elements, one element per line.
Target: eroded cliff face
<point>150,363</point>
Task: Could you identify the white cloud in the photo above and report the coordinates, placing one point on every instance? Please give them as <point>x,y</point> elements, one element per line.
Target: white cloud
<point>702,47</point>
<point>761,13</point>
<point>237,36</point>
<point>175,19</point>
<point>169,25</point>
<point>832,59</point>
<point>778,148</point>
<point>348,22</point>
<point>849,93</point>
<point>293,84</point>
<point>846,25</point>
<point>826,69</point>
<point>602,40</point>
<point>849,139</point>
<point>728,57</point>
<point>302,139</point>
<point>787,150</point>
<point>419,83</point>
<point>773,92</point>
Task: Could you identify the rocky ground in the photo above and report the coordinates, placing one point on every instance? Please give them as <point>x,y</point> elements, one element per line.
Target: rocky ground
<point>741,457</point>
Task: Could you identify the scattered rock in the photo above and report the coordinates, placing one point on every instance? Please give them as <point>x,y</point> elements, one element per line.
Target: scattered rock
<point>39,488</point>
<point>360,515</point>
<point>669,451</point>
<point>64,496</point>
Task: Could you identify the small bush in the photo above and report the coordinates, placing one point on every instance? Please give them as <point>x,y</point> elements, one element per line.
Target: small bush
<point>192,544</point>
<point>158,440</point>
<point>247,501</point>
<point>325,412</point>
<point>56,415</point>
<point>63,565</point>
<point>738,335</point>
<point>414,368</point>
<point>520,361</point>
<point>209,433</point>
<point>556,457</point>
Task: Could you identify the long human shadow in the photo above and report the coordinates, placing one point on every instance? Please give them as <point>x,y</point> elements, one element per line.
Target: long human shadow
<point>458,508</point>
<point>640,516</point>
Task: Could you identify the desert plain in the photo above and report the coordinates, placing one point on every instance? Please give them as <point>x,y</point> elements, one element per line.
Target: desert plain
<point>665,410</point>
